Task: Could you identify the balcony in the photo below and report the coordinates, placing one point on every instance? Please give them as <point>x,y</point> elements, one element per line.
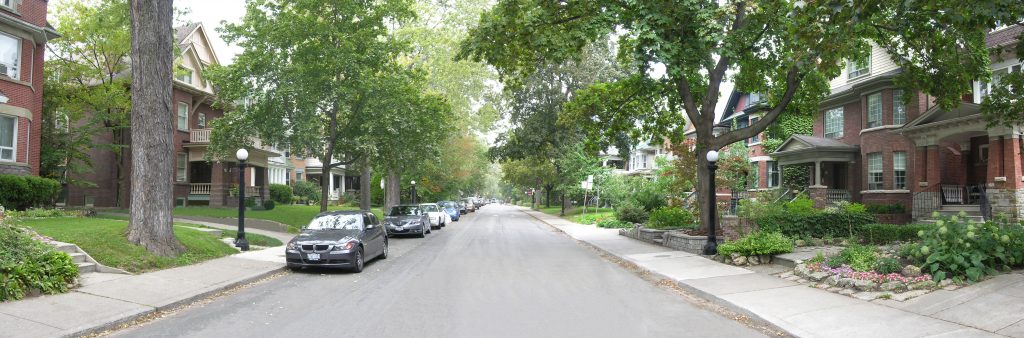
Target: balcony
<point>199,135</point>
<point>200,189</point>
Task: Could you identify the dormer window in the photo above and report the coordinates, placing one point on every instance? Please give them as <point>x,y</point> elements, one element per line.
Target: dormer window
<point>185,75</point>
<point>858,68</point>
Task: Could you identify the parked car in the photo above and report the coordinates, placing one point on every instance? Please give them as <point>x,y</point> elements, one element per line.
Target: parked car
<point>470,206</point>
<point>407,219</point>
<point>451,209</point>
<point>462,208</point>
<point>435,214</point>
<point>338,239</point>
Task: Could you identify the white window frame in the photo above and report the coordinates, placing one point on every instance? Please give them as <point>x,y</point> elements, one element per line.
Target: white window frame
<point>834,129</point>
<point>876,175</point>
<point>187,76</point>
<point>181,168</point>
<point>201,120</point>
<point>9,4</point>
<point>182,125</point>
<point>899,109</point>
<point>774,174</point>
<point>985,88</point>
<point>14,141</point>
<point>874,110</point>
<point>17,66</point>
<point>899,170</point>
<point>854,73</point>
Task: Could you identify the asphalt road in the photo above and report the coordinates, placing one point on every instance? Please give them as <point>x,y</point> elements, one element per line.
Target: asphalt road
<point>496,273</point>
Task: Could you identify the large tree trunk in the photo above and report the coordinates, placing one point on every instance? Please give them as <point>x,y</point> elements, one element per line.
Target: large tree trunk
<point>152,134</point>
<point>393,190</point>
<point>364,185</point>
<point>565,204</point>
<point>547,198</point>
<point>325,182</point>
<point>704,199</point>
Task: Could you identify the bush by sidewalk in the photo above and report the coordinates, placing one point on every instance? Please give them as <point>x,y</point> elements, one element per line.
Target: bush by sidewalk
<point>27,264</point>
<point>757,243</point>
<point>23,192</point>
<point>280,193</point>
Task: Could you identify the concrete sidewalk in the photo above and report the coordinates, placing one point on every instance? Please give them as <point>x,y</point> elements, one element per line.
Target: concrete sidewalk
<point>800,310</point>
<point>103,304</point>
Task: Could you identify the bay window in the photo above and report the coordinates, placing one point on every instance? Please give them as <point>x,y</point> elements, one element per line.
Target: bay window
<point>875,171</point>
<point>8,137</point>
<point>899,111</point>
<point>182,167</point>
<point>874,110</point>
<point>899,170</point>
<point>182,116</point>
<point>10,56</point>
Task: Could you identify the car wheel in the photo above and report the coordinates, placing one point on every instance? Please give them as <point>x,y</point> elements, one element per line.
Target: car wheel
<point>384,254</point>
<point>358,267</point>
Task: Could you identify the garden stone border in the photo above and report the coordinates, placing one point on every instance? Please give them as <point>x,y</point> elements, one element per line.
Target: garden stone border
<point>670,238</point>
<point>862,289</point>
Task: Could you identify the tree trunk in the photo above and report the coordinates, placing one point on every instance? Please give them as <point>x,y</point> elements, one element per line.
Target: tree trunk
<point>548,197</point>
<point>704,201</point>
<point>393,190</point>
<point>565,204</point>
<point>325,181</point>
<point>364,185</point>
<point>152,199</point>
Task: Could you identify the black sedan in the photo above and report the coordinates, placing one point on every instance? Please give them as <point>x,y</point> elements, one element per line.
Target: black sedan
<point>407,219</point>
<point>338,239</point>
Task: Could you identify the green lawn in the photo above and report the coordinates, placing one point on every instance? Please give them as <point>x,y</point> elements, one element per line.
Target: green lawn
<point>576,214</point>
<point>295,216</point>
<point>254,239</point>
<point>104,239</point>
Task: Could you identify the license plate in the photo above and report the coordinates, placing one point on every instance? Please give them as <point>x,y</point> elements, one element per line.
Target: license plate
<point>313,257</point>
<point>399,228</point>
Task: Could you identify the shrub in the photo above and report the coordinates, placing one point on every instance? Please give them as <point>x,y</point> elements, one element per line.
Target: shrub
<point>39,212</point>
<point>860,258</point>
<point>250,202</point>
<point>835,261</point>
<point>889,233</point>
<point>649,199</point>
<point>280,193</point>
<point>23,192</point>
<point>670,217</point>
<point>269,205</point>
<point>885,209</point>
<point>307,190</point>
<point>888,265</point>
<point>758,243</point>
<point>631,213</point>
<point>612,223</point>
<point>27,264</point>
<point>954,248</point>
<point>796,220</point>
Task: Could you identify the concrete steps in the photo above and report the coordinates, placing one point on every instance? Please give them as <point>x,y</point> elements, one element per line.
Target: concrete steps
<point>86,267</point>
<point>972,211</point>
<point>82,259</point>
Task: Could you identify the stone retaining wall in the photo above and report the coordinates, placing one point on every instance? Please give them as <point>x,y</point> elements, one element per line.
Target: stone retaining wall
<point>676,240</point>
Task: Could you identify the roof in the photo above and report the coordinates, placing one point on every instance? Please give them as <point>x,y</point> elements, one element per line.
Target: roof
<point>806,148</point>
<point>1003,37</point>
<point>182,33</point>
<point>937,116</point>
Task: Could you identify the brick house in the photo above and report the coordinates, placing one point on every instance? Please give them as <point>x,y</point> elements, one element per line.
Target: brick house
<point>196,180</point>
<point>875,143</point>
<point>764,173</point>
<point>23,35</point>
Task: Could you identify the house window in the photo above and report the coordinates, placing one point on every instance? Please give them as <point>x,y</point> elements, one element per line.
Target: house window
<point>899,170</point>
<point>185,75</point>
<point>201,120</point>
<point>834,123</point>
<point>755,98</point>
<point>298,175</point>
<point>858,68</point>
<point>753,139</point>
<point>983,154</point>
<point>10,56</point>
<point>773,174</point>
<point>875,171</point>
<point>643,161</point>
<point>754,178</point>
<point>985,88</point>
<point>874,110</point>
<point>182,167</point>
<point>8,4</point>
<point>182,116</point>
<point>899,111</point>
<point>8,135</point>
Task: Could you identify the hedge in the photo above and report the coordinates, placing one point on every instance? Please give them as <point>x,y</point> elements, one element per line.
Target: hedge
<point>889,233</point>
<point>23,192</point>
<point>832,222</point>
<point>281,193</point>
<point>671,218</point>
<point>26,264</point>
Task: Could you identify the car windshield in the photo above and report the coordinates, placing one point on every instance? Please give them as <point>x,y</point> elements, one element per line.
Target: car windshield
<point>430,207</point>
<point>336,222</point>
<point>448,204</point>
<point>404,210</point>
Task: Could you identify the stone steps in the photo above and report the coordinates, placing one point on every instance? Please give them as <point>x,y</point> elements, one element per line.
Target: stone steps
<point>86,267</point>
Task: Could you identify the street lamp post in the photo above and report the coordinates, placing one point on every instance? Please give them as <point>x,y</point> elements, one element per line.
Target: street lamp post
<point>414,199</point>
<point>240,241</point>
<point>711,247</point>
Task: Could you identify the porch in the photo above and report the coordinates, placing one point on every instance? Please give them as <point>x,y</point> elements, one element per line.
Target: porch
<point>833,169</point>
<point>216,183</point>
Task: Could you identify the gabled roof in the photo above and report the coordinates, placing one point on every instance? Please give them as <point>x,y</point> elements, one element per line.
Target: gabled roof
<point>1003,37</point>
<point>805,149</point>
<point>797,142</point>
<point>937,116</point>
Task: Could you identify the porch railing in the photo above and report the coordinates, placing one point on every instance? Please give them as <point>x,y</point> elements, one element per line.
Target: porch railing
<point>927,201</point>
<point>199,135</point>
<point>200,189</point>
<point>252,191</point>
<point>837,195</point>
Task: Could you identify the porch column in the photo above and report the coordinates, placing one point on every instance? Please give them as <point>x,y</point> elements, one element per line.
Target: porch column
<point>920,169</point>
<point>218,187</point>
<point>330,180</point>
<point>818,192</point>
<point>1011,161</point>
<point>996,174</point>
<point>265,184</point>
<point>343,188</point>
<point>933,173</point>
<point>817,173</point>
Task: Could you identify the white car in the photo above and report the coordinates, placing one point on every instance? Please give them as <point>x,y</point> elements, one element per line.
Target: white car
<point>438,218</point>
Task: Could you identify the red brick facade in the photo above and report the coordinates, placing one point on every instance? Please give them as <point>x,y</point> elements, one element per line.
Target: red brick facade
<point>24,94</point>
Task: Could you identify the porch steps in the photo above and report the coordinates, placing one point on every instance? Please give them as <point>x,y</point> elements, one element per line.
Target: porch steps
<point>85,263</point>
<point>973,213</point>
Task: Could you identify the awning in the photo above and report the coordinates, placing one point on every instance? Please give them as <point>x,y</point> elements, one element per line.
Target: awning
<point>809,149</point>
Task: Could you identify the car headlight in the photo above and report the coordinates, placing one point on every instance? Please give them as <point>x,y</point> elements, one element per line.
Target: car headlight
<point>344,247</point>
<point>292,246</point>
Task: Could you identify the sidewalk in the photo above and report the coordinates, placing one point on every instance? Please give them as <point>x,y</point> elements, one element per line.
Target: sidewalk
<point>809,312</point>
<point>103,304</point>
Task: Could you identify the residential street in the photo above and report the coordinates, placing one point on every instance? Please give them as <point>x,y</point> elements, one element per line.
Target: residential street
<point>497,273</point>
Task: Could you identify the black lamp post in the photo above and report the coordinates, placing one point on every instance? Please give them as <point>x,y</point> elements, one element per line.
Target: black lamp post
<point>414,199</point>
<point>711,247</point>
<point>240,241</point>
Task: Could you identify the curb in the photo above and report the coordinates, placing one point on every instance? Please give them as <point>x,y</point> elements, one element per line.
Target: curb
<point>113,323</point>
<point>754,318</point>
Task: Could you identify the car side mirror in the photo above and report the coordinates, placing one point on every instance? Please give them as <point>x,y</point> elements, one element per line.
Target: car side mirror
<point>370,226</point>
